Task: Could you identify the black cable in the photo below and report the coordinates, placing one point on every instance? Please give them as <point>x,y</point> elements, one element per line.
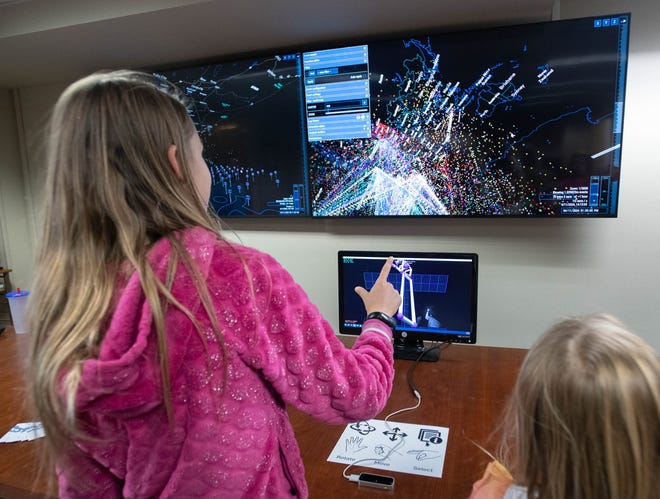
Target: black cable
<point>409,374</point>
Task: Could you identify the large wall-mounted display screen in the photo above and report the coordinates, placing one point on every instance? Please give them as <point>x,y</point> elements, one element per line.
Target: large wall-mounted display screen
<point>517,121</point>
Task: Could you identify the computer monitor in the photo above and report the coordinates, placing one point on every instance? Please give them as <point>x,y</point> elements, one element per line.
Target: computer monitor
<point>248,115</point>
<point>438,296</point>
<point>521,121</point>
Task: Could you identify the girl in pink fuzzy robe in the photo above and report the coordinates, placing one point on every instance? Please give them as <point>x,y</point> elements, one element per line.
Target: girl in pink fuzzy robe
<point>163,355</point>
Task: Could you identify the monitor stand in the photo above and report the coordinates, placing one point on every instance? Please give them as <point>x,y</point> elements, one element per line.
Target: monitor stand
<point>412,348</point>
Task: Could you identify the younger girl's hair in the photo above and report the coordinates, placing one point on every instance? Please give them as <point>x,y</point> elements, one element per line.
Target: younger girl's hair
<point>111,193</point>
<point>584,419</point>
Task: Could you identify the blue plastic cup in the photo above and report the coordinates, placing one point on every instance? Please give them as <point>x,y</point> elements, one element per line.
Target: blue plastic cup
<point>18,307</point>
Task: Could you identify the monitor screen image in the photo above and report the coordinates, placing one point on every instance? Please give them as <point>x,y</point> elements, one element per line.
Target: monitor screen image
<point>438,296</point>
<point>515,121</point>
<point>248,115</point>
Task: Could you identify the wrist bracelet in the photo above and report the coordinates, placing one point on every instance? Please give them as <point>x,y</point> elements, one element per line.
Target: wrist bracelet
<point>383,317</point>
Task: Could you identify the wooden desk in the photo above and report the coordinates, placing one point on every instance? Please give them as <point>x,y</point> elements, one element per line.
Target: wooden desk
<point>19,463</point>
<point>465,391</point>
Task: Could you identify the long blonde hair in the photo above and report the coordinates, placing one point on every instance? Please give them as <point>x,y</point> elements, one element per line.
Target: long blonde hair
<point>584,419</point>
<point>111,193</point>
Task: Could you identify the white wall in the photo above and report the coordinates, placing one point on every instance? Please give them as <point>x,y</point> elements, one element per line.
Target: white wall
<point>16,227</point>
<point>34,105</point>
<point>531,271</point>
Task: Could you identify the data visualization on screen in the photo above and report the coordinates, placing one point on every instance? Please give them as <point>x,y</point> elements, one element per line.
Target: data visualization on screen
<point>516,121</point>
<point>248,115</point>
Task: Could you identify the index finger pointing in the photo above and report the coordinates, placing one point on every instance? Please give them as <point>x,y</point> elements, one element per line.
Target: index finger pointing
<point>385,271</point>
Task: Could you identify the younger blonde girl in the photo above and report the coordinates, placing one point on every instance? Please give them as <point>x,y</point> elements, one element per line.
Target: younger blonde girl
<point>584,419</point>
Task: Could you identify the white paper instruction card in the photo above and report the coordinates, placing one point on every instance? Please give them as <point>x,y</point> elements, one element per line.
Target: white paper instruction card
<point>23,431</point>
<point>388,445</point>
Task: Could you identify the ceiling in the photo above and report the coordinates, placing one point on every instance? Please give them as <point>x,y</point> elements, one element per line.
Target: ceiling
<point>47,41</point>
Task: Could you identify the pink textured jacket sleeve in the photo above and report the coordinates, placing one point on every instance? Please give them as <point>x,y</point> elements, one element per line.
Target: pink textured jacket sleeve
<point>282,334</point>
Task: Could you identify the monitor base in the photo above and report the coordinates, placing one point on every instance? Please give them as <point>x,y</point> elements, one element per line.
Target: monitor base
<point>407,349</point>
